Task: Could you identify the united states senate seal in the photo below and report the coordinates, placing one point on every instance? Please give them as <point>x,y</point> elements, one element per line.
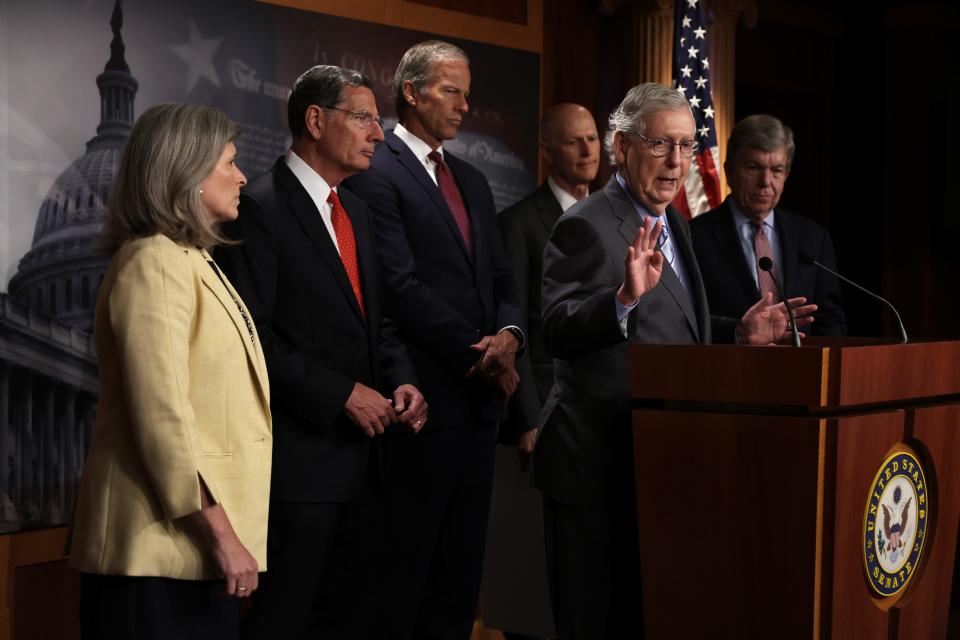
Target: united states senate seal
<point>895,523</point>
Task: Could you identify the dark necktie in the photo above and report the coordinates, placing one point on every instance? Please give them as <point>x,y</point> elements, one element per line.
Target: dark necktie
<point>448,187</point>
<point>347,242</point>
<point>761,249</point>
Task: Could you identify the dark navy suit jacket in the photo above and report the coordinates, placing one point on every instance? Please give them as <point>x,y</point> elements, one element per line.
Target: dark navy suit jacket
<point>443,299</point>
<point>316,341</point>
<point>730,286</point>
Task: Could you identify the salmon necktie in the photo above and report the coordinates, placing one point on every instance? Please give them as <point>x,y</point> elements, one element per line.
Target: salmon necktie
<point>347,242</point>
<point>761,249</point>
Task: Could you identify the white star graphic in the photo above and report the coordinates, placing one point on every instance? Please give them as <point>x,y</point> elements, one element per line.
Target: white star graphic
<point>708,112</point>
<point>692,52</point>
<point>686,21</point>
<point>706,63</point>
<point>701,82</point>
<point>699,31</point>
<point>681,91</point>
<point>704,131</point>
<point>694,102</point>
<point>683,40</point>
<point>692,3</point>
<point>198,54</point>
<point>686,71</point>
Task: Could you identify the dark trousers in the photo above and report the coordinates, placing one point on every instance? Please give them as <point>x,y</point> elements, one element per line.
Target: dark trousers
<point>593,566</point>
<point>143,608</point>
<point>437,488</point>
<point>321,577</point>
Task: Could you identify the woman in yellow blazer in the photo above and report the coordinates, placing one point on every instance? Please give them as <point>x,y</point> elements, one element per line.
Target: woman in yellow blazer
<point>172,508</point>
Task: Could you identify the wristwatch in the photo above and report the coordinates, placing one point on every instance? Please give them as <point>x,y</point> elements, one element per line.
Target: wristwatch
<point>516,334</point>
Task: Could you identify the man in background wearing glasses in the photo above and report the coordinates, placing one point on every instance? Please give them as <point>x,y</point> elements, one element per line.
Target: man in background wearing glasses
<point>730,240</point>
<point>618,268</point>
<point>448,284</point>
<point>307,269</point>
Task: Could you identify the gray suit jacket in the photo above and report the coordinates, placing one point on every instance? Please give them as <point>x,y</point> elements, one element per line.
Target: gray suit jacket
<point>526,228</point>
<point>584,454</point>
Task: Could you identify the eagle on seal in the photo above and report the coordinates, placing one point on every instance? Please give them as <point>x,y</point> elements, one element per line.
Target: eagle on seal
<point>894,531</point>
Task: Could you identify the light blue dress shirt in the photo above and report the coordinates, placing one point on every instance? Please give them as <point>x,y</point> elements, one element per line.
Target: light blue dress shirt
<point>745,233</point>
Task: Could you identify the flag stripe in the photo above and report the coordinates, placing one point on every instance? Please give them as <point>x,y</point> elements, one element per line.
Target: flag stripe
<point>691,77</point>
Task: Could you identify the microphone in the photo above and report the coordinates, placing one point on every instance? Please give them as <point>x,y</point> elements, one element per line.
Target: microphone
<point>808,260</point>
<point>766,264</point>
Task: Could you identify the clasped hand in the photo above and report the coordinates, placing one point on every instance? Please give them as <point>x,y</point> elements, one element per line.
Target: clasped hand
<point>372,413</point>
<point>496,366</point>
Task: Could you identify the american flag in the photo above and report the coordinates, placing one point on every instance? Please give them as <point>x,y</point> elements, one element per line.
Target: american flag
<point>691,77</point>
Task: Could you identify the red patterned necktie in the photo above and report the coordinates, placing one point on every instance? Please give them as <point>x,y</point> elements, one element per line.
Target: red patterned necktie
<point>448,187</point>
<point>347,242</point>
<point>761,249</point>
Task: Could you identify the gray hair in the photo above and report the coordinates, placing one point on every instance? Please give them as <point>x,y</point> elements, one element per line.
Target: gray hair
<point>416,65</point>
<point>172,149</point>
<point>641,101</point>
<point>321,85</point>
<point>761,131</point>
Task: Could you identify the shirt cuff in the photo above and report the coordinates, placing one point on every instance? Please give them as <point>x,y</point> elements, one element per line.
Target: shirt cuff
<point>517,333</point>
<point>622,313</point>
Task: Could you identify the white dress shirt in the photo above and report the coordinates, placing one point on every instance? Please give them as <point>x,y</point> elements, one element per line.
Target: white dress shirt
<point>317,188</point>
<point>420,150</point>
<point>565,199</point>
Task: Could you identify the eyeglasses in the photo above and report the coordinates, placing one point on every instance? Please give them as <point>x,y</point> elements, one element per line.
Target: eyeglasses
<point>365,118</point>
<point>662,147</point>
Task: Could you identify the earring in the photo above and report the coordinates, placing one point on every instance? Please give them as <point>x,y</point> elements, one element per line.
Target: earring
<point>201,190</point>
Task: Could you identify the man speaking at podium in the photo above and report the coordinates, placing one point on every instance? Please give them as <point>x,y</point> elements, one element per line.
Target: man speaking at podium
<point>619,268</point>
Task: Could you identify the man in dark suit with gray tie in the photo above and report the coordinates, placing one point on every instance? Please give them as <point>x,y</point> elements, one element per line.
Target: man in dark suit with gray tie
<point>619,268</point>
<point>448,284</point>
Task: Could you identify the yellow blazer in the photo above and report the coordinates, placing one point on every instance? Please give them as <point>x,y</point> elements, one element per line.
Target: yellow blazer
<point>183,396</point>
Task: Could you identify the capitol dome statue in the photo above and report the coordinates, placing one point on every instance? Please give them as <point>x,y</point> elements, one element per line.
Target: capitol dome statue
<point>61,273</point>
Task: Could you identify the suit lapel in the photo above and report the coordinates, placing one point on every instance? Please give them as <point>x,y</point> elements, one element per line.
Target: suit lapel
<point>549,210</point>
<point>693,299</point>
<point>303,209</point>
<point>225,293</point>
<point>419,173</point>
<point>789,251</point>
<point>624,210</point>
<point>725,234</point>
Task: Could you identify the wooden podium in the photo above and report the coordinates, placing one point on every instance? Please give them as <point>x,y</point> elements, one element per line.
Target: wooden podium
<point>756,470</point>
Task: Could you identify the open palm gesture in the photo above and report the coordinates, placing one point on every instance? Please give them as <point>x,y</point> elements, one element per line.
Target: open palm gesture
<point>644,263</point>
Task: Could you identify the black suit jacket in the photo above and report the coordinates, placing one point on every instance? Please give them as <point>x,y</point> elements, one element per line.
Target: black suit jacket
<point>442,299</point>
<point>316,341</point>
<point>526,228</point>
<point>584,454</point>
<point>731,289</point>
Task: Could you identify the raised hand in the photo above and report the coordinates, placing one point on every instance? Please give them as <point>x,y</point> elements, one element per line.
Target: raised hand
<point>643,264</point>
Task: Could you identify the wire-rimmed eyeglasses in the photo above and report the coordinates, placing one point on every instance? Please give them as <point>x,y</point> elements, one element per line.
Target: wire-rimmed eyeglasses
<point>365,118</point>
<point>663,147</point>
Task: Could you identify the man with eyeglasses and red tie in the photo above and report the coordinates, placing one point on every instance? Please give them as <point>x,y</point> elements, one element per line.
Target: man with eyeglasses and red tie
<point>730,240</point>
<point>449,286</point>
<point>307,268</point>
<point>619,268</point>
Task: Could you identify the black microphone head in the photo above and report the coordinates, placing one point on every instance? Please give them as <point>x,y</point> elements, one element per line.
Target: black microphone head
<point>765,263</point>
<point>806,258</point>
